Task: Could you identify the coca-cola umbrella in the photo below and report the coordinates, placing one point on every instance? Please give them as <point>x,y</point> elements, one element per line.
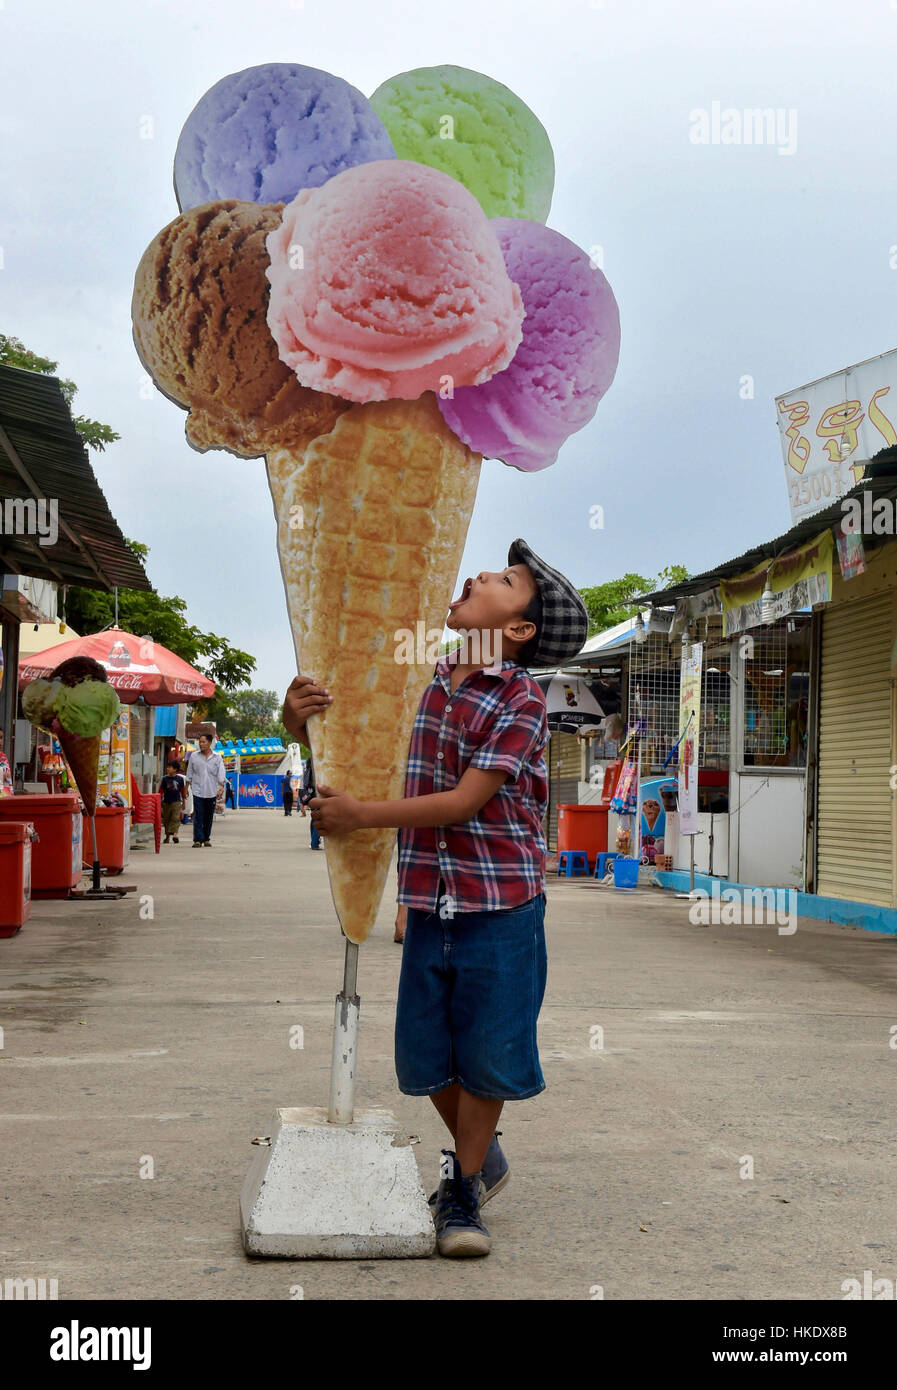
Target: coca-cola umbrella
<point>138,668</point>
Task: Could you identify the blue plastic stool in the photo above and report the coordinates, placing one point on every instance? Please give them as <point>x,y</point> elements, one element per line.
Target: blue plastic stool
<point>602,862</point>
<point>572,863</point>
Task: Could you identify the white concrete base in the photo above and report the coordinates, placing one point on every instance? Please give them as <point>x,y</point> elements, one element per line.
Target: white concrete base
<point>339,1192</point>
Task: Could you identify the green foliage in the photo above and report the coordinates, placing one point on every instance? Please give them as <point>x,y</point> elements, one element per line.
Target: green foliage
<point>148,614</point>
<point>670,575</point>
<point>613,602</point>
<point>14,353</point>
<point>247,714</point>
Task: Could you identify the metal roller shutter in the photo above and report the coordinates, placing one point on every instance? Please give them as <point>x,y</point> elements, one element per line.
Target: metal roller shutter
<point>855,855</point>
<point>563,749</point>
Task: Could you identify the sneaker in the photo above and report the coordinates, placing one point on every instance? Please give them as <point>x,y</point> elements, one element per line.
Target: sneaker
<point>460,1231</point>
<point>197,844</point>
<point>495,1173</point>
<point>176,840</point>
<point>165,841</point>
<point>207,844</point>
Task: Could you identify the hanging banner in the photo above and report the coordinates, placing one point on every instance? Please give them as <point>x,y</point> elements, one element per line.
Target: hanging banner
<point>689,734</point>
<point>797,580</point>
<point>117,742</point>
<point>851,555</point>
<point>832,427</point>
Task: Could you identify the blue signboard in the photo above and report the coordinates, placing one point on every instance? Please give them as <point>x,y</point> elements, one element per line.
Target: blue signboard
<point>260,789</point>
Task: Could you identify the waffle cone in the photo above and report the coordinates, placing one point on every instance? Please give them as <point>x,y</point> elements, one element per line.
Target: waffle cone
<point>83,757</point>
<point>372,520</point>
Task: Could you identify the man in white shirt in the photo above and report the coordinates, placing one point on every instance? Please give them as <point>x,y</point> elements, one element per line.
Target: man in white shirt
<point>205,773</point>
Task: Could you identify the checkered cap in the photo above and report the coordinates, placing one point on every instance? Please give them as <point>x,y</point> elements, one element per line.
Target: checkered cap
<point>565,622</point>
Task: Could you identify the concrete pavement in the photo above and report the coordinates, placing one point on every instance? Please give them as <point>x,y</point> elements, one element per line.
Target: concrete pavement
<point>153,1035</point>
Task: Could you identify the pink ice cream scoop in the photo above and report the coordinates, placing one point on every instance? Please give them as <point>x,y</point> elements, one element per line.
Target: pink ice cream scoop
<point>565,363</point>
<point>388,281</point>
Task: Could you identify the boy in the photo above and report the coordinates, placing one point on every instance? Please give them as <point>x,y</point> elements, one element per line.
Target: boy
<point>471,873</point>
<point>174,793</point>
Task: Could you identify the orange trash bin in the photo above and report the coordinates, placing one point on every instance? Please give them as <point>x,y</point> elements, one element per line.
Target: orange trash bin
<point>113,839</point>
<point>56,857</point>
<point>15,875</point>
<point>583,828</point>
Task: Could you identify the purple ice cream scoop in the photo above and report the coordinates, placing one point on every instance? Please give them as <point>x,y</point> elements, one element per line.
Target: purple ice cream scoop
<point>563,366</point>
<point>263,134</point>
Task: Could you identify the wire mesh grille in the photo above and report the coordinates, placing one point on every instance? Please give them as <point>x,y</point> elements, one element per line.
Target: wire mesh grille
<point>654,677</point>
<point>776,690</point>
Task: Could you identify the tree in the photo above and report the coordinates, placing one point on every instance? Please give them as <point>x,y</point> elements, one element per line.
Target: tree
<point>148,614</point>
<point>246,714</point>
<point>13,353</point>
<point>613,602</point>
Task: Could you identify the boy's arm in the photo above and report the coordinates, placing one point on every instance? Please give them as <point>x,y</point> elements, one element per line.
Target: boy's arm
<point>337,813</point>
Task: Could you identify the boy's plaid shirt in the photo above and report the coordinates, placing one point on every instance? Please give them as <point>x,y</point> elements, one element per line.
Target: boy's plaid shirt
<point>497,858</point>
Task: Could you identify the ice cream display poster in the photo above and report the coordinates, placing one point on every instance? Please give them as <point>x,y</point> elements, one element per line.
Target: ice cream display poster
<point>366,293</point>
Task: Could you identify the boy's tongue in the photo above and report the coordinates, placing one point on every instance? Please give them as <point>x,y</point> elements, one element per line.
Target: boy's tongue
<point>465,593</point>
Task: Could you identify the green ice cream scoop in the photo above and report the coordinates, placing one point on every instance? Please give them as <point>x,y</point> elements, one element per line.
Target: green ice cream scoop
<point>39,701</point>
<point>474,128</point>
<point>87,708</point>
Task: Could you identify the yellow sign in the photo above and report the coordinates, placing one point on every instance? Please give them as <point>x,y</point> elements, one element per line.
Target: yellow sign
<point>799,579</point>
<point>119,736</point>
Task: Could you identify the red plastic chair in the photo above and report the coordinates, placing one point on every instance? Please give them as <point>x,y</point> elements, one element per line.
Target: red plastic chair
<point>146,809</point>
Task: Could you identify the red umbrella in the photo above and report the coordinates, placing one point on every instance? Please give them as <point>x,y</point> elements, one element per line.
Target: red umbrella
<point>137,667</point>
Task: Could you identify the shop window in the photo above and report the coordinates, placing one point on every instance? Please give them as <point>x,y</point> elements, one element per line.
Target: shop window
<point>776,694</point>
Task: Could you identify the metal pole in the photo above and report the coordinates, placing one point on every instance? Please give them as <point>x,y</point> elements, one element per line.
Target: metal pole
<point>691,871</point>
<point>345,1043</point>
<point>96,855</point>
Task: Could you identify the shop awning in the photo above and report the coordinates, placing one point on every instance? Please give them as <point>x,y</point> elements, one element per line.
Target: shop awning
<point>43,460</point>
<point>879,479</point>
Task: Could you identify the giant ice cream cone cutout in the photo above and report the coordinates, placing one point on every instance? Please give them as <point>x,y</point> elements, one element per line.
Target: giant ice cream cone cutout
<point>75,706</point>
<point>335,297</point>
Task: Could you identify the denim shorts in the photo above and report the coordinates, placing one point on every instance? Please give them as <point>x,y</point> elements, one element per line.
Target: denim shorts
<point>469,996</point>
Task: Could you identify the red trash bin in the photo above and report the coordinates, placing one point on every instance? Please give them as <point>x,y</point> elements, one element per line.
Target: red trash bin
<point>15,875</point>
<point>56,860</point>
<point>113,839</point>
<point>583,828</point>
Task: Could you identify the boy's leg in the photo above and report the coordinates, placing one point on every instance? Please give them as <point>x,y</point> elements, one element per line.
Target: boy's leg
<point>477,1117</point>
<point>446,1102</point>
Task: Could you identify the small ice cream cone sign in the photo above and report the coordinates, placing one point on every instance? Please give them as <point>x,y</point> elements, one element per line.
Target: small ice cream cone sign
<point>75,706</point>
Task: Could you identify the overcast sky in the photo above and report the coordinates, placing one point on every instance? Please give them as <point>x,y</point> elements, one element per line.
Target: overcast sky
<point>727,260</point>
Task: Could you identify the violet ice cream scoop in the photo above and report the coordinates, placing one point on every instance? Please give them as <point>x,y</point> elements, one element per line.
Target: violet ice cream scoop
<point>564,364</point>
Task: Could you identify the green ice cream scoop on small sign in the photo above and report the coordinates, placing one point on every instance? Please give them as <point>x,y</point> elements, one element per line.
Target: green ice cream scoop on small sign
<point>475,129</point>
<point>87,708</point>
<point>39,701</point>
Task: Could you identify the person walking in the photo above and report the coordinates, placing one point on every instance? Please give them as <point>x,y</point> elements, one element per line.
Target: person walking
<point>287,795</point>
<point>173,789</point>
<point>306,793</point>
<point>205,773</point>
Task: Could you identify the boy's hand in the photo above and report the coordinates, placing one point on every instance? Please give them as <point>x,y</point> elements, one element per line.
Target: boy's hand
<point>303,699</point>
<point>335,812</point>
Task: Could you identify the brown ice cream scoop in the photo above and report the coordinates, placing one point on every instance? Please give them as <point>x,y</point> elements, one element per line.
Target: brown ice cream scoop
<point>199,315</point>
<point>79,668</point>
